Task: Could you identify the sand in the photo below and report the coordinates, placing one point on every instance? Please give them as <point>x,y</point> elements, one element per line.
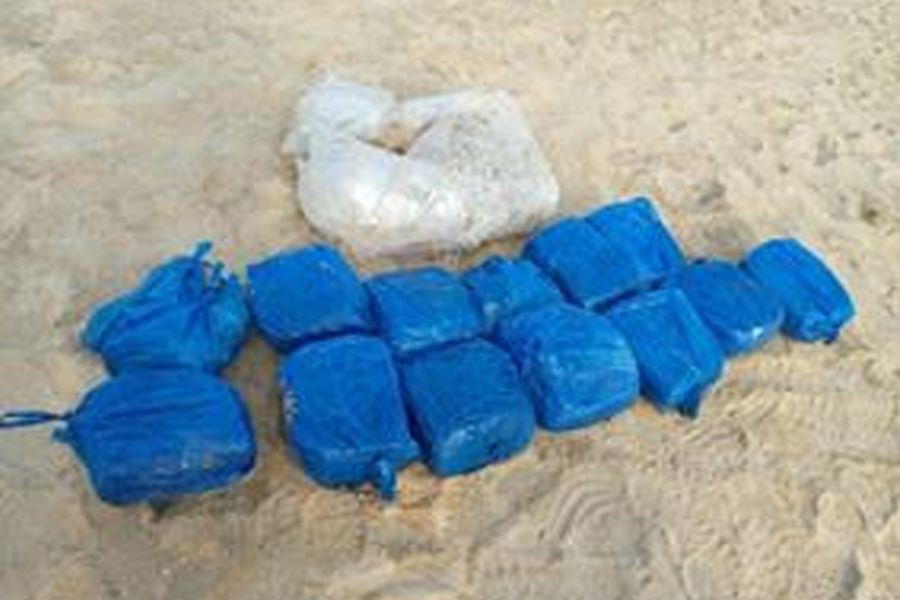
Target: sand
<point>129,130</point>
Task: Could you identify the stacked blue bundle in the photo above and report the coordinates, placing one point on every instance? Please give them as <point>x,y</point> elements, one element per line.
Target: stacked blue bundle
<point>505,287</point>
<point>742,314</point>
<point>186,314</point>
<point>306,294</point>
<point>636,232</point>
<point>163,427</point>
<point>423,308</point>
<point>679,358</point>
<point>578,367</point>
<point>816,304</point>
<point>585,265</point>
<point>468,406</point>
<point>344,413</point>
<point>154,435</point>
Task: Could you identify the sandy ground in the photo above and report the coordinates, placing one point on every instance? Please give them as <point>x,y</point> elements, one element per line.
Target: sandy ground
<point>129,130</point>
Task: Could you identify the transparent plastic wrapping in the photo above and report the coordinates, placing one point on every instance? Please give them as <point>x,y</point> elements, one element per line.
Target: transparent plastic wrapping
<point>442,172</point>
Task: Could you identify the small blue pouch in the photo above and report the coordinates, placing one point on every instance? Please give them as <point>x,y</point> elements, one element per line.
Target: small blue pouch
<point>423,308</point>
<point>504,287</point>
<point>739,311</point>
<point>578,367</point>
<point>678,356</point>
<point>634,229</point>
<point>307,294</point>
<point>816,304</point>
<point>588,268</point>
<point>187,313</point>
<point>151,436</point>
<point>468,406</point>
<point>344,413</point>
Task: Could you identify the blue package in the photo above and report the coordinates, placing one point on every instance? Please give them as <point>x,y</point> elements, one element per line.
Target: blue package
<point>468,406</point>
<point>504,287</point>
<point>344,413</point>
<point>589,269</point>
<point>677,355</point>
<point>149,436</point>
<point>187,313</point>
<point>816,304</point>
<point>634,229</point>
<point>423,308</point>
<point>740,312</point>
<point>578,367</point>
<point>306,294</point>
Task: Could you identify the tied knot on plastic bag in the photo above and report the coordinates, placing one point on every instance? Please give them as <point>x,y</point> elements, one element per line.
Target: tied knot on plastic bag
<point>434,173</point>
<point>188,313</point>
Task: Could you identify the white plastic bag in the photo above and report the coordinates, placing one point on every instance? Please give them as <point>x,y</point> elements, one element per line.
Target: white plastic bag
<point>434,173</point>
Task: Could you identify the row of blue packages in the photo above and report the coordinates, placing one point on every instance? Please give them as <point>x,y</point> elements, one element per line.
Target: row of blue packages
<point>163,424</point>
<point>422,363</point>
<point>596,310</point>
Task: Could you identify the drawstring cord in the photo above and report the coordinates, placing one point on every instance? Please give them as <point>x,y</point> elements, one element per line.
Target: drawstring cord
<point>27,418</point>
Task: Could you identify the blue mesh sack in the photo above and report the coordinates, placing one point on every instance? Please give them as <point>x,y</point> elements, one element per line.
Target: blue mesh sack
<point>634,229</point>
<point>739,311</point>
<point>677,355</point>
<point>589,269</point>
<point>816,304</point>
<point>423,308</point>
<point>306,294</point>
<point>504,287</point>
<point>468,406</point>
<point>578,367</point>
<point>151,436</point>
<point>344,413</point>
<point>187,313</point>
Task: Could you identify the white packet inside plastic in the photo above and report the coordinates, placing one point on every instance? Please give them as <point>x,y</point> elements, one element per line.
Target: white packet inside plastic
<point>434,173</point>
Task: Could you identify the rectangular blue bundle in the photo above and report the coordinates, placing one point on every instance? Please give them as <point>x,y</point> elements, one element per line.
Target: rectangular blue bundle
<point>187,313</point>
<point>678,356</point>
<point>307,294</point>
<point>589,269</point>
<point>344,413</point>
<point>578,367</point>
<point>504,287</point>
<point>634,229</point>
<point>149,436</point>
<point>739,311</point>
<point>468,406</point>
<point>816,304</point>
<point>423,308</point>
